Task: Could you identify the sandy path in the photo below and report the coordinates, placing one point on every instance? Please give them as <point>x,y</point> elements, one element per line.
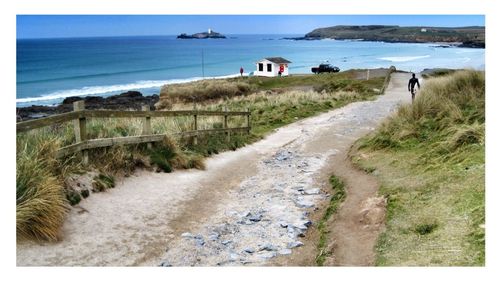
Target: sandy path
<point>252,206</point>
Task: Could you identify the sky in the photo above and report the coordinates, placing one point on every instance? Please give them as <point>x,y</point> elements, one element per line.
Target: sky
<point>55,26</point>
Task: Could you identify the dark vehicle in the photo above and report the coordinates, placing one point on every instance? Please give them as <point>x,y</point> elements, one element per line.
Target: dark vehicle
<point>325,68</point>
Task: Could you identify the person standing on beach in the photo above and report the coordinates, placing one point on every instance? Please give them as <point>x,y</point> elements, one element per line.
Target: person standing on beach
<point>411,86</point>
<point>241,71</point>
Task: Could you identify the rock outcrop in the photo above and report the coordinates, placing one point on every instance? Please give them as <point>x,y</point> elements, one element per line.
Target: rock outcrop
<point>131,100</point>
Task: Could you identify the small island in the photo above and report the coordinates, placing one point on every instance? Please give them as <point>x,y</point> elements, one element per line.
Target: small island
<point>202,35</point>
<point>470,36</point>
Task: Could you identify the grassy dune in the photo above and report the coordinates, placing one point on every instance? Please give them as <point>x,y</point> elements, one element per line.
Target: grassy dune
<point>429,158</point>
<point>43,196</point>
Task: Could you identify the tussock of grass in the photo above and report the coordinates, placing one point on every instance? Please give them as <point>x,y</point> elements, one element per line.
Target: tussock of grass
<point>425,228</point>
<point>338,195</point>
<point>102,182</point>
<point>167,156</point>
<point>430,161</point>
<point>41,204</point>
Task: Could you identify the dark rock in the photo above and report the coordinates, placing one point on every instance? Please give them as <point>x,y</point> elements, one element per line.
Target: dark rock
<point>130,100</point>
<point>93,99</point>
<point>283,224</point>
<point>85,193</point>
<point>255,218</point>
<point>71,100</point>
<point>128,94</point>
<point>249,250</point>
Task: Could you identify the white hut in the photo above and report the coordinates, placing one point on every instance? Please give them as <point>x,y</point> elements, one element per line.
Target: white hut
<point>272,67</point>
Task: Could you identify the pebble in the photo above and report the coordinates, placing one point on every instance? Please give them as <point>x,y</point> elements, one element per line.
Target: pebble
<point>200,242</point>
<point>214,236</point>
<point>295,244</point>
<point>165,264</point>
<point>285,252</point>
<point>225,242</point>
<point>303,224</point>
<point>233,257</point>
<point>255,218</point>
<point>246,214</point>
<point>249,250</point>
<point>267,247</point>
<point>267,255</point>
<point>302,203</point>
<point>314,191</point>
<point>187,235</point>
<point>283,224</point>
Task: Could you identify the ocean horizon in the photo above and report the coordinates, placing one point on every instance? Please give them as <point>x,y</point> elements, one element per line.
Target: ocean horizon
<point>51,69</point>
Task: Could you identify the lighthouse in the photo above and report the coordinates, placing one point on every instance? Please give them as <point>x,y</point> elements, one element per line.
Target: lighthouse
<point>209,31</point>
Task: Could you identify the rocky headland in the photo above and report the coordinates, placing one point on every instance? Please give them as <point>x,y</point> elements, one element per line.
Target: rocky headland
<point>470,37</point>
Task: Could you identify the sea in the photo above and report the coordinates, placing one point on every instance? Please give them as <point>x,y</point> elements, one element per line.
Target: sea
<point>49,70</point>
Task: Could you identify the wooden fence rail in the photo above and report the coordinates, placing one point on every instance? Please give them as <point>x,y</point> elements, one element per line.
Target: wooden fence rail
<point>79,117</point>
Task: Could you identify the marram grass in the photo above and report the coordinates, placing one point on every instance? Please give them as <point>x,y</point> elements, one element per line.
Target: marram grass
<point>430,159</point>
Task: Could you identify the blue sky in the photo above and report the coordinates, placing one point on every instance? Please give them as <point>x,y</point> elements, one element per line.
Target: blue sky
<point>48,26</point>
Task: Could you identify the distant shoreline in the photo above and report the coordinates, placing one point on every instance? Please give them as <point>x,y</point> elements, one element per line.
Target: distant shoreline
<point>440,44</point>
<point>468,37</point>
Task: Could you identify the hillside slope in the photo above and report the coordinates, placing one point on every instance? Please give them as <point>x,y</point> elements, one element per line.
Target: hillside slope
<point>473,36</point>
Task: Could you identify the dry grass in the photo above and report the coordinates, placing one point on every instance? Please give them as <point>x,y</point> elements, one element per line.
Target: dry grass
<point>40,200</point>
<point>201,91</point>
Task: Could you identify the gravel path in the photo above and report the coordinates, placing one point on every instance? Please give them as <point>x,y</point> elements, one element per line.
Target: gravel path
<point>253,206</point>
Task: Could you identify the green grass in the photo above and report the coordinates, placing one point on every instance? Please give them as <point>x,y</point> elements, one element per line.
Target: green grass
<point>270,109</point>
<point>103,182</point>
<point>338,195</point>
<point>430,160</point>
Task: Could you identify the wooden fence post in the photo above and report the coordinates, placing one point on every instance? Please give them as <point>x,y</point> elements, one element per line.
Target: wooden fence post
<point>195,138</point>
<point>80,127</point>
<point>228,135</point>
<point>146,125</point>
<point>248,120</point>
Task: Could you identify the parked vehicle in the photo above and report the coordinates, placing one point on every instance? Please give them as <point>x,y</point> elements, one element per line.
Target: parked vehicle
<point>325,68</point>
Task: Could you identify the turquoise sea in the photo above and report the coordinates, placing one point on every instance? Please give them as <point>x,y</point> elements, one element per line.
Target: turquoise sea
<point>48,70</point>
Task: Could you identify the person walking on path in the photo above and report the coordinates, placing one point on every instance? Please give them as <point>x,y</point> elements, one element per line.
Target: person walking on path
<point>411,86</point>
<point>241,71</point>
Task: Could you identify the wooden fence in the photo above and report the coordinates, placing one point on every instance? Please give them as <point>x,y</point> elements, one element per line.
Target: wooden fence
<point>79,117</point>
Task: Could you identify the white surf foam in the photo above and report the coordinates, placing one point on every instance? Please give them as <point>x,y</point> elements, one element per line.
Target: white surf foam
<point>404,58</point>
<point>102,90</point>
